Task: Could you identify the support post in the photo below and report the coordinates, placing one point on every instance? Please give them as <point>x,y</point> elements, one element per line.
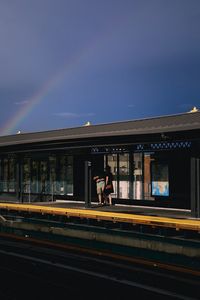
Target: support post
<point>88,184</point>
<point>195,187</point>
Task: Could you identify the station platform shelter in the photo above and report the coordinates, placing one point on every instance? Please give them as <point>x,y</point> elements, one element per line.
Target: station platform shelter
<point>155,163</point>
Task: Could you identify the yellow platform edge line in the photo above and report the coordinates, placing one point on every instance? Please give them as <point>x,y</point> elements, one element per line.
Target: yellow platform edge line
<point>154,221</point>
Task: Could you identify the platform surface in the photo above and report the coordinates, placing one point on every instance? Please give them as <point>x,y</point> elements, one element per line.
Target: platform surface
<point>178,219</point>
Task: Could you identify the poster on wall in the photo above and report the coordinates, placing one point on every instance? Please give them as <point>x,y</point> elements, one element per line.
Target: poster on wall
<point>159,179</point>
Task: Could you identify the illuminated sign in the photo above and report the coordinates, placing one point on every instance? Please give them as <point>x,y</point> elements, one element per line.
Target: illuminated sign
<point>108,150</point>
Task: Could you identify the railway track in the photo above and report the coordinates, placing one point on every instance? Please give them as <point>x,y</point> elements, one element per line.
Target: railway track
<point>33,268</point>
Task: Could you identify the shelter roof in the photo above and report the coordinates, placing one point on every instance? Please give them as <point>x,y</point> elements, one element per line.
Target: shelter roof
<point>162,124</point>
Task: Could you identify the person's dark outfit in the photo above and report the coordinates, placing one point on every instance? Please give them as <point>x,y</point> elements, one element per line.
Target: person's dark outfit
<point>109,183</point>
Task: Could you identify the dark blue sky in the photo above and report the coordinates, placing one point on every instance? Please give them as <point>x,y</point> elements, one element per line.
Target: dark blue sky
<point>66,62</point>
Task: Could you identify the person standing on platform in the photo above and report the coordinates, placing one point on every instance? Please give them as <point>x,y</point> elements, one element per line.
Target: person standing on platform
<point>108,184</point>
<point>100,186</point>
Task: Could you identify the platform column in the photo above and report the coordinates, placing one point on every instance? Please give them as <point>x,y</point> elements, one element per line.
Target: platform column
<point>195,187</point>
<point>88,183</point>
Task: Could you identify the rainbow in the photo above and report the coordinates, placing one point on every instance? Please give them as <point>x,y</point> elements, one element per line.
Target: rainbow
<point>13,122</point>
<point>24,111</point>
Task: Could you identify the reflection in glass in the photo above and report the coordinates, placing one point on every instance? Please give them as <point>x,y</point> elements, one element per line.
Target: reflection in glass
<point>52,174</point>
<point>124,176</point>
<point>26,176</point>
<point>112,162</point>
<point>69,173</point>
<point>66,175</point>
<point>148,158</point>
<point>8,174</point>
<point>11,185</point>
<point>137,176</point>
<point>35,177</point>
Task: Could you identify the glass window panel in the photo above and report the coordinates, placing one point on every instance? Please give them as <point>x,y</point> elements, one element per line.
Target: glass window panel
<point>8,175</point>
<point>44,188</point>
<point>52,173</point>
<point>5,175</point>
<point>66,175</point>
<point>112,162</point>
<point>137,176</point>
<point>63,175</point>
<point>11,175</point>
<point>26,175</point>
<point>160,179</point>
<point>124,176</point>
<point>148,158</point>
<point>35,177</point>
<point>69,173</point>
